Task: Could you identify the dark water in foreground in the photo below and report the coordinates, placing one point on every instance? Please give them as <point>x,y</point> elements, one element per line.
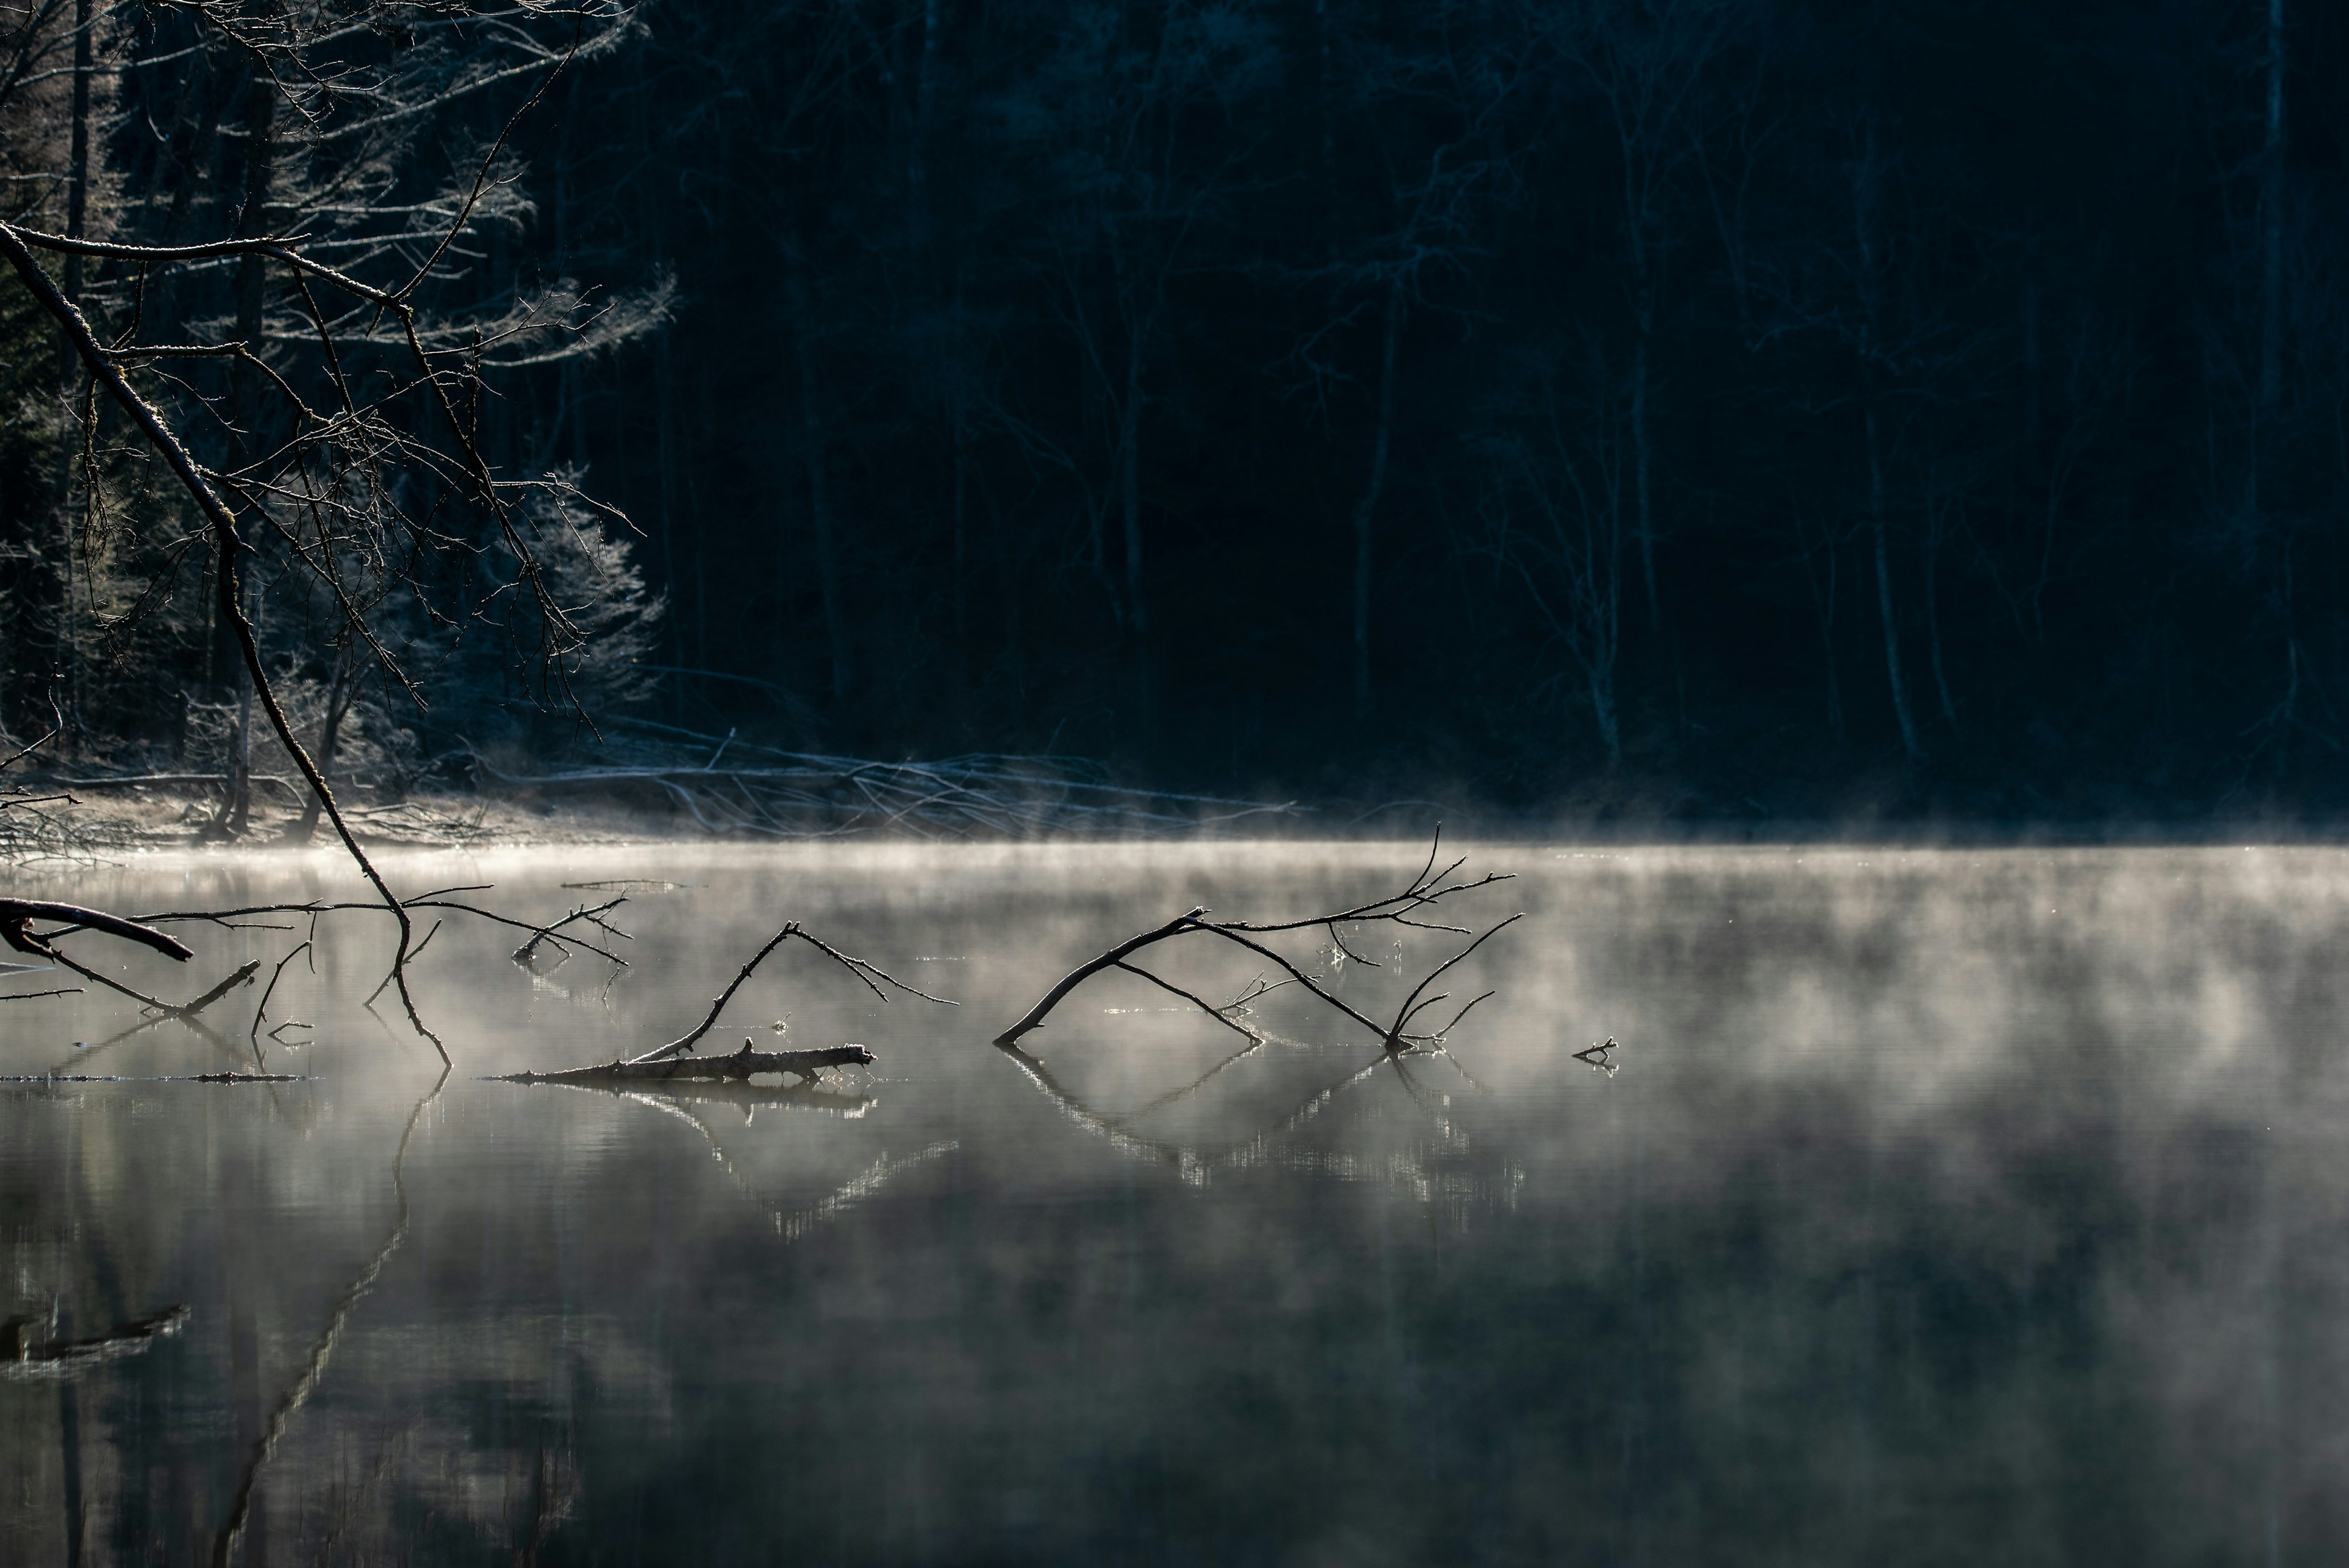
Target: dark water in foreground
<point>1948,1207</point>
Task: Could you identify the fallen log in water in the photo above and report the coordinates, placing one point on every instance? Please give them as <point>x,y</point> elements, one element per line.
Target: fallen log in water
<point>742,1065</point>
<point>677,1062</point>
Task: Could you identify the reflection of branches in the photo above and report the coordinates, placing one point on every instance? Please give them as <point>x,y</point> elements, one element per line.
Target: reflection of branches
<point>187,1020</point>
<point>1119,1130</point>
<point>798,1222</point>
<point>1271,1143</point>
<point>1256,1042</point>
<point>748,1098</point>
<point>225,1543</point>
<point>789,1224</point>
<point>1417,899</point>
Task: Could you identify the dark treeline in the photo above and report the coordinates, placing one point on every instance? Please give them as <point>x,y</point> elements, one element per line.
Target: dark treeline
<point>1735,405</point>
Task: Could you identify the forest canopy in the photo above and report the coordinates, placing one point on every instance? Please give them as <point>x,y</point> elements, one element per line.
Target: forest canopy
<point>1742,407</point>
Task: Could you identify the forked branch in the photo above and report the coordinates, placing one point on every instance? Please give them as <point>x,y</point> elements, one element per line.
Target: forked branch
<point>673,1063</point>
<point>872,975</point>
<point>1428,887</point>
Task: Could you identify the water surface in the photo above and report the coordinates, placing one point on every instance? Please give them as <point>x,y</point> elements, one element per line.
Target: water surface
<point>1947,1207</point>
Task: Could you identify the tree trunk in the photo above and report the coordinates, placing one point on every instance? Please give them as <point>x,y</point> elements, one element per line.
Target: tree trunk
<point>1366,514</point>
<point>1006,575</point>
<point>1880,526</point>
<point>76,184</point>
<point>2271,151</point>
<point>961,531</point>
<point>1129,490</point>
<point>1607,642</point>
<point>1933,623</point>
<point>2271,387</point>
<point>1641,465</point>
<point>670,462</point>
<point>1865,194</point>
<point>339,694</point>
<point>1129,485</point>
<point>69,376</point>
<point>917,159</point>
<point>245,400</point>
<point>1824,605</point>
<point>827,558</point>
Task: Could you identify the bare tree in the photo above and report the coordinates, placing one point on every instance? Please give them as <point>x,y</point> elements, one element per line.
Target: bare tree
<point>1650,67</point>
<point>351,436</point>
<point>1558,507</point>
<point>1112,114</point>
<point>1438,119</point>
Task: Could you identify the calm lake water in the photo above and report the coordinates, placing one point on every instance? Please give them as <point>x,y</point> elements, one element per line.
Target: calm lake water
<point>1946,1207</point>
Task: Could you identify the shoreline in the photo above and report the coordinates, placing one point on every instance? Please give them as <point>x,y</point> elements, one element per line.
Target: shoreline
<point>145,820</point>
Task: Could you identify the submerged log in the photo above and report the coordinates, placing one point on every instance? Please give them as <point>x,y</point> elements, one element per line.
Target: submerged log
<point>742,1065</point>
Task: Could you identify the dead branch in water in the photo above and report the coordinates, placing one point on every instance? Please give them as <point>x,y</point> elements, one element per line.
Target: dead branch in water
<point>671,1063</point>
<point>17,916</point>
<point>872,975</point>
<point>161,1009</point>
<point>738,1068</point>
<point>436,899</point>
<point>1407,907</point>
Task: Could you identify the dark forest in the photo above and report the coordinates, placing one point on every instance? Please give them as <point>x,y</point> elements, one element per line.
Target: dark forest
<point>1720,410</point>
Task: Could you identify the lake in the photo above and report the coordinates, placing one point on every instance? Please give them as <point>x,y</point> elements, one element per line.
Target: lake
<point>1944,1207</point>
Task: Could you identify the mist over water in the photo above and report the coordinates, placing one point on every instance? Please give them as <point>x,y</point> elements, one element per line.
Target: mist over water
<point>1947,1207</point>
